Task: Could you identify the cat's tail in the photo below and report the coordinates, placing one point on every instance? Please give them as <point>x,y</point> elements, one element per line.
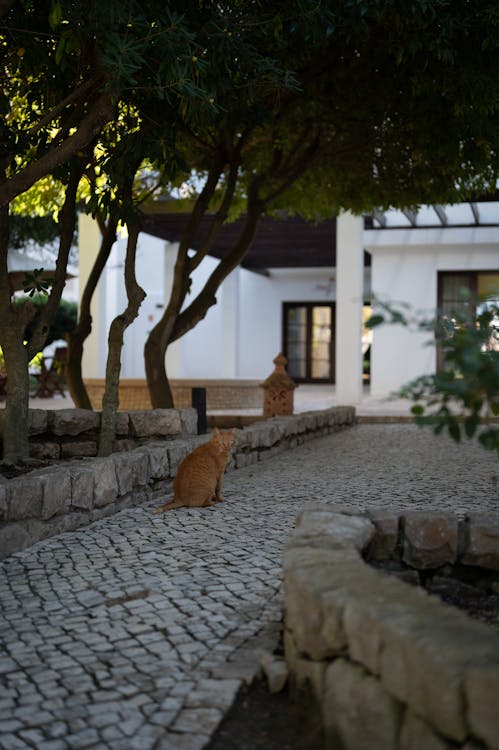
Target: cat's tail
<point>168,506</point>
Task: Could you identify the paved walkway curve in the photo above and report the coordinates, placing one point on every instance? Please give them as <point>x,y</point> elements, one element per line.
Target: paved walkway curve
<point>134,633</point>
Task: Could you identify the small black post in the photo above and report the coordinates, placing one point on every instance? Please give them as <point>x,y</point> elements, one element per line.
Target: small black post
<point>199,403</point>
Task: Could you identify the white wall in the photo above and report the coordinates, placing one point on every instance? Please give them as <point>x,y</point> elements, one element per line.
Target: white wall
<point>405,264</point>
<point>89,237</point>
<point>198,353</point>
<point>260,324</point>
<point>110,298</point>
<point>242,333</point>
<point>150,272</point>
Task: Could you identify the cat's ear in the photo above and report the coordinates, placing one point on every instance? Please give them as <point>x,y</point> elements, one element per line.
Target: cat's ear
<point>216,431</point>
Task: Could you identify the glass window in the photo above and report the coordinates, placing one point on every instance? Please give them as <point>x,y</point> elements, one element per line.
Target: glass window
<point>465,290</point>
<point>308,340</point>
<point>321,342</point>
<point>297,342</point>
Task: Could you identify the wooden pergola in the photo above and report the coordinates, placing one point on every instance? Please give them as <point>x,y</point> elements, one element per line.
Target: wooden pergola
<point>288,242</point>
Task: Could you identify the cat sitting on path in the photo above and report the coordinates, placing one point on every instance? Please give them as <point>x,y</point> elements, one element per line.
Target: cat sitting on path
<point>199,477</point>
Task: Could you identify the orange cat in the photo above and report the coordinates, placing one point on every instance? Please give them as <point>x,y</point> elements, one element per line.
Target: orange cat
<point>199,477</point>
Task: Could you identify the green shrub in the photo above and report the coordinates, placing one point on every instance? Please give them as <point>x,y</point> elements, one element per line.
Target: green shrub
<point>463,396</point>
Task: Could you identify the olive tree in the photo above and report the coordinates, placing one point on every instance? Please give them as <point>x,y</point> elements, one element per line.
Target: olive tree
<point>66,79</point>
<point>381,107</point>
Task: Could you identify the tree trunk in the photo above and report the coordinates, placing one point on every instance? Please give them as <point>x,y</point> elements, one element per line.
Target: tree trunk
<point>12,327</point>
<point>135,295</point>
<point>175,324</point>
<point>76,339</point>
<point>160,336</point>
<point>74,376</point>
<point>67,224</point>
<point>15,431</point>
<point>159,388</point>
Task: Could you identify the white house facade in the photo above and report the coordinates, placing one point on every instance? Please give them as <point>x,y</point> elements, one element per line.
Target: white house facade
<point>314,314</point>
<point>415,267</point>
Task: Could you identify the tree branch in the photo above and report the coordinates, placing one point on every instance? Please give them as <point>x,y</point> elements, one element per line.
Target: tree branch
<point>135,296</point>
<point>181,270</point>
<point>67,220</point>
<point>76,338</point>
<point>201,204</point>
<point>77,94</point>
<point>294,171</point>
<point>18,183</point>
<point>197,310</point>
<point>5,290</point>
<point>218,219</point>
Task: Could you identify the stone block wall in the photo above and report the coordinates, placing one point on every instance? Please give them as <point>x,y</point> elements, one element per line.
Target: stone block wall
<point>388,666</point>
<point>220,394</point>
<point>72,493</point>
<point>67,433</point>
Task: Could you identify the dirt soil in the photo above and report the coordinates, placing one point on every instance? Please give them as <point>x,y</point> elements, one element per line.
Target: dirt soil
<point>259,720</point>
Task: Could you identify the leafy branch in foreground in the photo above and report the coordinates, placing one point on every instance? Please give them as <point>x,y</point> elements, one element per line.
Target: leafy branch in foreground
<point>463,395</point>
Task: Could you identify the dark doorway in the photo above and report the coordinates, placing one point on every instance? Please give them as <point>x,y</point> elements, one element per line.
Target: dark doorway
<point>308,341</point>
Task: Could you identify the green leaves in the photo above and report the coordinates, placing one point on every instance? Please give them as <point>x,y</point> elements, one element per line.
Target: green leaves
<point>375,321</point>
<point>35,282</point>
<point>55,14</point>
<point>464,395</point>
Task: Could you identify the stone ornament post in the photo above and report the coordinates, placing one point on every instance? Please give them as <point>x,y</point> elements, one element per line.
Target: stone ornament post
<point>278,390</point>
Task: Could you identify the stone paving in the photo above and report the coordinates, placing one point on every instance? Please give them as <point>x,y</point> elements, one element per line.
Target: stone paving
<point>135,633</point>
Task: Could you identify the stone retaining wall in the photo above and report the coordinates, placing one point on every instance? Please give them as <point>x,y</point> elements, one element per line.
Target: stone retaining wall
<point>67,433</point>
<point>231,393</point>
<point>72,493</point>
<point>388,666</point>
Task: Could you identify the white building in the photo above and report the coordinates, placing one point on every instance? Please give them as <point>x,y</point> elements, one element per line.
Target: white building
<point>312,313</point>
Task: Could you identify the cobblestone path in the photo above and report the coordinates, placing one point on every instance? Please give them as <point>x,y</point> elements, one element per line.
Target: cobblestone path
<point>135,633</point>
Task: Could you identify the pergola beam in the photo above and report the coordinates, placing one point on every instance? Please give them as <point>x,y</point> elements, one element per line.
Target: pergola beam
<point>475,212</point>
<point>411,216</point>
<point>380,217</point>
<point>440,212</point>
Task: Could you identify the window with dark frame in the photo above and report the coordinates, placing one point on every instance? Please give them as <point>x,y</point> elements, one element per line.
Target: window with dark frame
<point>308,338</point>
<point>458,290</point>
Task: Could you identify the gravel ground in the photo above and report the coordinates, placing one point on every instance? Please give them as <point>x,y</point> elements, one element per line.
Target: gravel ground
<point>137,632</point>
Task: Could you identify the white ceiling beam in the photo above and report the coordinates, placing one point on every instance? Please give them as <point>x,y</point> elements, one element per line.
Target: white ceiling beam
<point>380,217</point>
<point>411,216</point>
<point>475,212</point>
<point>440,212</point>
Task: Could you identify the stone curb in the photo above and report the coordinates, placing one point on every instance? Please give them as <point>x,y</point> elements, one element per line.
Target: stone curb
<point>74,493</point>
<point>388,665</point>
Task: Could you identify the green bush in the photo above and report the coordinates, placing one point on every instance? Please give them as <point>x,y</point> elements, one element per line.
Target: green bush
<point>464,395</point>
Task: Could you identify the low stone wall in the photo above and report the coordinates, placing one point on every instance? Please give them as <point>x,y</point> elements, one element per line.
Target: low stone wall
<point>72,493</point>
<point>67,433</point>
<point>388,666</point>
<point>220,394</point>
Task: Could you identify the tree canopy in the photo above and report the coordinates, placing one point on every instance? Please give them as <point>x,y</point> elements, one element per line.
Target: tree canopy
<point>380,107</point>
<point>311,106</point>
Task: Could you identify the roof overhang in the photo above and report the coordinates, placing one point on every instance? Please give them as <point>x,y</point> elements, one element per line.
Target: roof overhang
<point>292,242</point>
<point>287,242</point>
